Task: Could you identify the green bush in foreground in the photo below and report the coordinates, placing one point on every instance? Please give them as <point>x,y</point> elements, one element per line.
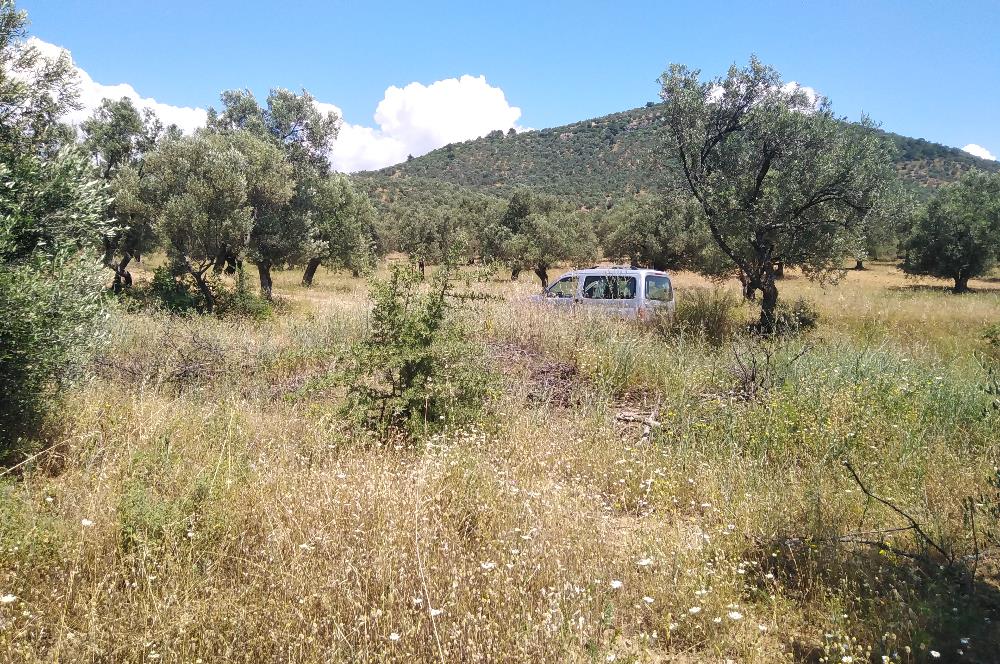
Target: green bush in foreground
<point>412,371</point>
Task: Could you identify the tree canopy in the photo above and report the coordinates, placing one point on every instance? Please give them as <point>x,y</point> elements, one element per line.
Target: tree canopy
<point>958,235</point>
<point>780,178</point>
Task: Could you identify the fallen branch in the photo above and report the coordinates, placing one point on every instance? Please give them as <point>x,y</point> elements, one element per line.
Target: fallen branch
<point>647,422</point>
<point>914,525</point>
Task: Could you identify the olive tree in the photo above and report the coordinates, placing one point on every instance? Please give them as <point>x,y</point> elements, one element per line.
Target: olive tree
<point>52,216</point>
<point>295,125</point>
<point>208,191</point>
<point>343,225</point>
<point>536,232</point>
<point>780,179</point>
<point>118,138</point>
<point>958,235</point>
<point>664,233</point>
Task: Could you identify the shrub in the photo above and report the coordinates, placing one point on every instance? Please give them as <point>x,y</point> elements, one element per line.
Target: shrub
<point>49,321</point>
<point>711,313</point>
<point>244,301</point>
<point>173,294</point>
<point>798,316</point>
<point>412,370</point>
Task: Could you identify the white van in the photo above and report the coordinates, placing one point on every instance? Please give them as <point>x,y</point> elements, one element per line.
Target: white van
<point>624,291</point>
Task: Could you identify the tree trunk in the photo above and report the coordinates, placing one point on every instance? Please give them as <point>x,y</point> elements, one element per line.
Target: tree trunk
<point>122,276</point>
<point>747,289</point>
<point>859,265</point>
<point>310,273</point>
<point>423,269</point>
<point>768,304</point>
<point>206,292</point>
<point>266,285</point>
<point>543,274</point>
<point>961,284</point>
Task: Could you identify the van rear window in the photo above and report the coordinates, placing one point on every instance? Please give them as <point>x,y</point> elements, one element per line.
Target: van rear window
<point>609,287</point>
<point>659,288</point>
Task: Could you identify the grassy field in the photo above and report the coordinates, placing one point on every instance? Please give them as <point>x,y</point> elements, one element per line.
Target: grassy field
<point>205,501</point>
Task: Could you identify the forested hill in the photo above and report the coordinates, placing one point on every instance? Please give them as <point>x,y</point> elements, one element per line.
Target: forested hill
<point>614,157</point>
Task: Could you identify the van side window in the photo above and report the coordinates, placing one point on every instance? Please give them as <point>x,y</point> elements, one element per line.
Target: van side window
<point>609,287</point>
<point>659,288</point>
<point>565,287</point>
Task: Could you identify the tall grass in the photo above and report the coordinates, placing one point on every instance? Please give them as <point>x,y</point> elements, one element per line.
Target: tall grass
<point>199,503</point>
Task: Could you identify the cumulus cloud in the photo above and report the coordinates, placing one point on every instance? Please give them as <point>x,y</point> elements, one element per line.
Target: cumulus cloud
<point>410,120</point>
<point>979,151</point>
<point>418,118</point>
<point>92,92</point>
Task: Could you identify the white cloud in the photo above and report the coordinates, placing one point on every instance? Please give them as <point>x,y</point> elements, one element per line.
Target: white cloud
<point>418,118</point>
<point>414,119</point>
<point>92,92</point>
<point>979,151</point>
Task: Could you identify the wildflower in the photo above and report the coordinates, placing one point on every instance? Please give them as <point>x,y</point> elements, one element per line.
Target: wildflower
<point>735,615</point>
<point>417,601</point>
<point>644,562</point>
<point>847,659</point>
<point>394,636</point>
<point>935,654</point>
<point>716,620</point>
<point>488,565</point>
<point>701,593</point>
<point>436,612</point>
<point>762,627</point>
<point>610,657</point>
<point>768,576</point>
<point>694,609</point>
<point>7,599</point>
<point>616,584</point>
<point>86,523</point>
<point>306,547</point>
<point>647,600</point>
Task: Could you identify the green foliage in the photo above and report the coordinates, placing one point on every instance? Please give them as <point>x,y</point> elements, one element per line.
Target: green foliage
<point>413,370</point>
<point>709,313</point>
<point>800,315</point>
<point>780,179</point>
<point>118,139</point>
<point>664,233</point>
<point>535,232</point>
<point>243,301</point>
<point>52,217</point>
<point>176,295</point>
<point>958,236</point>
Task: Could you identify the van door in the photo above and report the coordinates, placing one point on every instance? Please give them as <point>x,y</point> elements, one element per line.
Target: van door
<point>611,292</point>
<point>564,292</point>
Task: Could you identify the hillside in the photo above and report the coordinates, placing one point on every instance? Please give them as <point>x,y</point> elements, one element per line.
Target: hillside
<point>616,156</point>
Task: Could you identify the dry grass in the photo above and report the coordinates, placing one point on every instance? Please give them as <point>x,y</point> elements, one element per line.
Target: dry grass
<point>199,506</point>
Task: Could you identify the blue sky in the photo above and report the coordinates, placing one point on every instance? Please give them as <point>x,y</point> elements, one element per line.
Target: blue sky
<point>920,68</point>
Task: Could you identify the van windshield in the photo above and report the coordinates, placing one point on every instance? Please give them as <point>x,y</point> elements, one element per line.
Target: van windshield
<point>659,288</point>
<point>609,287</point>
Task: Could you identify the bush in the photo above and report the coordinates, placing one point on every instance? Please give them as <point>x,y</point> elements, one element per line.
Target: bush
<point>173,294</point>
<point>413,370</point>
<point>799,316</point>
<point>244,301</point>
<point>49,321</point>
<point>711,313</point>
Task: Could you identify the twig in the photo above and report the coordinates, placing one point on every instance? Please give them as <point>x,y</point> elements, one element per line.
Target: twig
<point>913,522</point>
<point>32,458</point>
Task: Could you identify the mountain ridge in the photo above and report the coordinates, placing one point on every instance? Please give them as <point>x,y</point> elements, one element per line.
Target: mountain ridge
<point>616,156</point>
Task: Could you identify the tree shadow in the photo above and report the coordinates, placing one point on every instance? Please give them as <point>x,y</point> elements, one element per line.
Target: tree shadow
<point>921,604</point>
<point>925,288</point>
